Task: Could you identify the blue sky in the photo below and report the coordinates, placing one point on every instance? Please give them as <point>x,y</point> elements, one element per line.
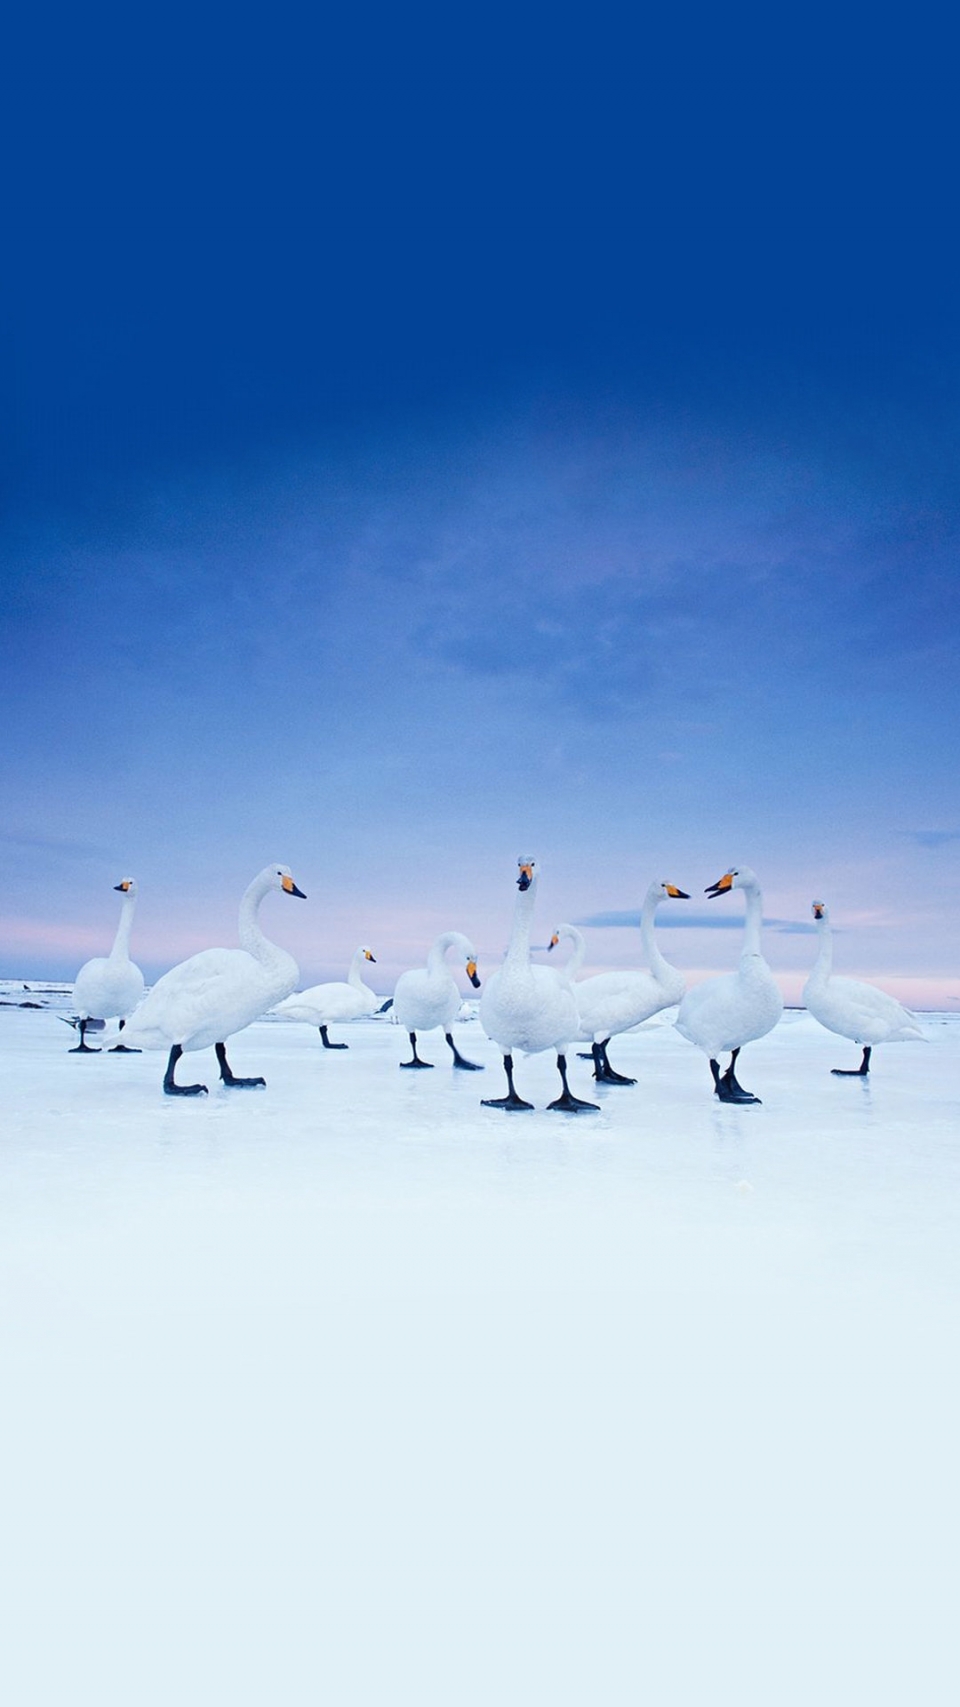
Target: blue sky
<point>431,442</point>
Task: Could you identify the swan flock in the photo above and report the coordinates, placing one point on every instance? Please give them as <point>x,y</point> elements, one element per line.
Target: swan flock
<point>525,1008</point>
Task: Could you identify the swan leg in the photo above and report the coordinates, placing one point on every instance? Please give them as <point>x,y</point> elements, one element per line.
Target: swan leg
<point>326,1041</point>
<point>459,1060</point>
<point>727,1085</point>
<point>82,1048</point>
<point>173,1090</point>
<point>567,1102</point>
<point>511,1100</point>
<point>855,1072</point>
<point>602,1070</point>
<point>416,1062</point>
<point>227,1076</point>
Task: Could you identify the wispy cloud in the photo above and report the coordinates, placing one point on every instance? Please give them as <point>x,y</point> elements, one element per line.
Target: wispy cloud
<point>932,838</point>
<point>55,845</point>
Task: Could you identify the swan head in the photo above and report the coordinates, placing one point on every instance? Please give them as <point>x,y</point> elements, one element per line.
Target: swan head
<point>553,941</point>
<point>528,871</point>
<point>820,910</point>
<point>368,954</point>
<point>472,971</point>
<point>279,877</point>
<point>127,887</point>
<point>670,892</point>
<point>738,877</point>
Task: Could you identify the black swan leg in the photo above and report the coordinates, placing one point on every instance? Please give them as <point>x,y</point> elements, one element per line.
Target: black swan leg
<point>326,1041</point>
<point>727,1085</point>
<point>122,1048</point>
<point>459,1060</point>
<point>415,1061</point>
<point>82,1048</point>
<point>227,1076</point>
<point>855,1072</point>
<point>566,1101</point>
<point>607,1075</point>
<point>175,1090</point>
<point>511,1100</point>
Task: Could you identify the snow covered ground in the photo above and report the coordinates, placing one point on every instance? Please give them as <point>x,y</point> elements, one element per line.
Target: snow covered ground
<point>350,1391</point>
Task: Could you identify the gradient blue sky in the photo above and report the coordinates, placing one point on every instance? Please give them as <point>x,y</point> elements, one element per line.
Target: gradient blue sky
<point>433,440</point>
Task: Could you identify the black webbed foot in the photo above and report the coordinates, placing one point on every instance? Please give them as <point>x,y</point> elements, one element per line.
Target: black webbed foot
<point>460,1060</point>
<point>228,1078</point>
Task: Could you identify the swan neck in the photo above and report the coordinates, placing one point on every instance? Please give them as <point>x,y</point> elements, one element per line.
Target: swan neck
<point>251,936</point>
<point>658,966</point>
<point>353,976</point>
<point>436,959</point>
<point>519,946</point>
<point>121,942</point>
<point>823,965</point>
<point>754,920</point>
<point>576,959</point>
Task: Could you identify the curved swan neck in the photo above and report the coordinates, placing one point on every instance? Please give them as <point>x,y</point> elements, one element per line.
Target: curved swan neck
<point>251,936</point>
<point>436,959</point>
<point>353,976</point>
<point>658,966</point>
<point>569,933</point>
<point>121,942</point>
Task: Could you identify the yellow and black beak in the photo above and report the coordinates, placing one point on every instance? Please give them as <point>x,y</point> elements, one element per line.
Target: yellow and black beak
<point>676,894</point>
<point>290,888</point>
<point>371,957</point>
<point>124,886</point>
<point>725,883</point>
<point>526,874</point>
<point>553,942</point>
<point>818,909</point>
<point>472,974</point>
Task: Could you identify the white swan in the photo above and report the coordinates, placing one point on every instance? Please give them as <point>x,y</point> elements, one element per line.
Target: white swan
<point>727,1012</point>
<point>529,1007</point>
<point>613,1002</point>
<point>207,998</point>
<point>429,997</point>
<point>334,1003</point>
<point>852,1009</point>
<point>110,988</point>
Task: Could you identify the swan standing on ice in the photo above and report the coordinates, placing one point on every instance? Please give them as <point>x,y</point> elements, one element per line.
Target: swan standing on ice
<point>727,1012</point>
<point>334,1003</point>
<point>530,1007</point>
<point>207,998</point>
<point>616,1001</point>
<point>852,1009</point>
<point>427,998</point>
<point>110,988</point>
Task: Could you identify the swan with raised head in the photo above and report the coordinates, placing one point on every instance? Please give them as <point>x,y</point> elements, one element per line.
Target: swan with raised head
<point>218,992</point>
<point>530,1007</point>
<point>110,988</point>
<point>612,1002</point>
<point>334,1003</point>
<point>863,1013</point>
<point>428,997</point>
<point>727,1012</point>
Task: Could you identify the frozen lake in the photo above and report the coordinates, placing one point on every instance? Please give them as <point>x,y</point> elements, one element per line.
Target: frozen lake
<point>351,1391</point>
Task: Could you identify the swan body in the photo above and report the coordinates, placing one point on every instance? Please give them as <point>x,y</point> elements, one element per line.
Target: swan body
<point>529,1007</point>
<point>727,1012</point>
<point>851,1008</point>
<point>336,1002</point>
<point>613,1002</point>
<point>110,987</point>
<point>429,996</point>
<point>218,992</point>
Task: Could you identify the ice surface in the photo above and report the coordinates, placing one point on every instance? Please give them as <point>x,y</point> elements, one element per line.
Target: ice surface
<point>350,1391</point>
